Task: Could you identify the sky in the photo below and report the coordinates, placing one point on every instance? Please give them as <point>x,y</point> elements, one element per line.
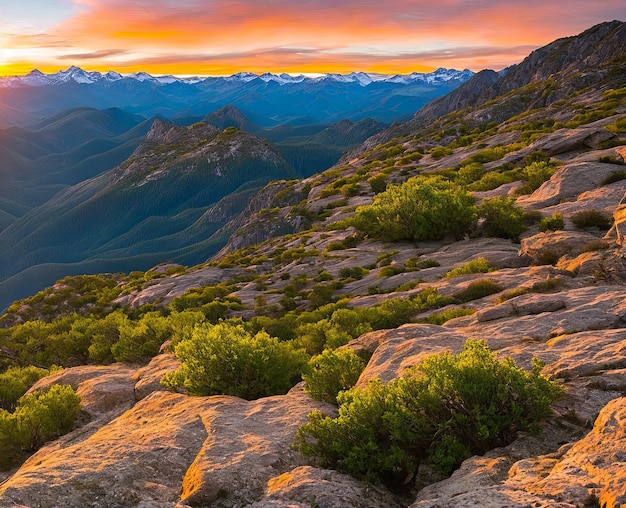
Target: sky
<point>222,37</point>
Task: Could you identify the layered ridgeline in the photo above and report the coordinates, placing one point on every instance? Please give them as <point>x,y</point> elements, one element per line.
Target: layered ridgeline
<point>491,222</point>
<point>65,149</point>
<point>161,203</point>
<point>71,148</point>
<point>268,99</point>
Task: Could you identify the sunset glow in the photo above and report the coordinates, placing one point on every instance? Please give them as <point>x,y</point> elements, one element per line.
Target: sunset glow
<point>218,37</point>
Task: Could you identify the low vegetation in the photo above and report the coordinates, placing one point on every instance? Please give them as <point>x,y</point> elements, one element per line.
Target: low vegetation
<point>440,412</point>
<point>37,418</point>
<point>478,265</point>
<point>332,372</point>
<point>422,208</point>
<point>227,359</point>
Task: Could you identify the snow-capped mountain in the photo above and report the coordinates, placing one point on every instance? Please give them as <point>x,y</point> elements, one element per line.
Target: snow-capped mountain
<point>266,99</point>
<point>80,76</point>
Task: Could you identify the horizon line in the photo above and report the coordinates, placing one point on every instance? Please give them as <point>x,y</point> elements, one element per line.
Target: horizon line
<point>191,76</point>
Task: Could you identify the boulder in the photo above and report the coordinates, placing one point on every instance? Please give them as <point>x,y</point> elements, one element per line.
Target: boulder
<point>308,486</point>
<point>567,183</point>
<point>247,444</point>
<point>568,140</point>
<point>140,457</point>
<point>148,379</point>
<point>544,248</point>
<point>102,389</point>
<point>594,465</point>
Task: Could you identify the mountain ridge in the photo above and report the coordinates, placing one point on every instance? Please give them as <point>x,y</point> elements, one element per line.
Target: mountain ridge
<point>267,99</point>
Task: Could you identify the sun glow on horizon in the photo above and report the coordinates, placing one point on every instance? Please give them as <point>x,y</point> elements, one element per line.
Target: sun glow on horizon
<point>223,37</point>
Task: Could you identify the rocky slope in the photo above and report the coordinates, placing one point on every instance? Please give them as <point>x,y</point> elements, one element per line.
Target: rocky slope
<point>559,296</point>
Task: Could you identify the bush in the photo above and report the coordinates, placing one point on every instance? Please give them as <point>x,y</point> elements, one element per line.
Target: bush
<point>592,219</point>
<point>39,417</point>
<point>332,372</point>
<point>419,209</point>
<point>353,272</point>
<point>439,318</point>
<point>553,223</point>
<point>378,183</point>
<point>615,176</point>
<point>479,265</point>
<point>503,218</point>
<point>489,181</point>
<point>427,263</point>
<point>470,173</point>
<point>15,382</point>
<point>534,175</point>
<point>226,359</point>
<point>478,289</point>
<point>442,411</point>
<point>138,342</point>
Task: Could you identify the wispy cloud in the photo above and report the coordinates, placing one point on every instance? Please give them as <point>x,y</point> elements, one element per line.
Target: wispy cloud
<point>104,53</point>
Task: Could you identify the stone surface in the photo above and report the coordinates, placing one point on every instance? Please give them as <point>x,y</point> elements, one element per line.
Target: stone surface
<point>308,486</point>
<point>567,183</point>
<point>148,379</point>
<point>555,244</point>
<point>247,444</point>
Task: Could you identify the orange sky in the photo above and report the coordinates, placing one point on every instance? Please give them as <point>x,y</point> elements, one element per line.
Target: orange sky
<point>221,37</point>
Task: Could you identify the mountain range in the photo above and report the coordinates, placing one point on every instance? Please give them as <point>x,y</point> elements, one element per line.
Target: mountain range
<point>268,99</point>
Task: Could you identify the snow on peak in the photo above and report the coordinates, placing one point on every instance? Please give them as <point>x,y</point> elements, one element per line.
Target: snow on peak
<point>78,75</point>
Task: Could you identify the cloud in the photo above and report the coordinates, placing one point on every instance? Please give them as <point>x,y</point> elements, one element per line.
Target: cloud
<point>104,53</point>
<point>286,35</point>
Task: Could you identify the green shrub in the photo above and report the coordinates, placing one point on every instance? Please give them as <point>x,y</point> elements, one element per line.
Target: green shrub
<point>15,382</point>
<point>503,218</point>
<point>332,372</point>
<point>489,181</point>
<point>226,359</point>
<point>427,263</point>
<point>442,411</point>
<point>615,176</point>
<point>534,175</point>
<point>419,209</point>
<point>553,223</point>
<point>478,289</point>
<point>592,219</point>
<point>39,417</point>
<point>389,271</point>
<point>390,313</point>
<point>531,217</point>
<point>439,152</point>
<point>378,183</point>
<point>353,272</point>
<point>439,318</point>
<point>479,265</point>
<point>140,341</point>
<point>470,173</point>
<point>487,155</point>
